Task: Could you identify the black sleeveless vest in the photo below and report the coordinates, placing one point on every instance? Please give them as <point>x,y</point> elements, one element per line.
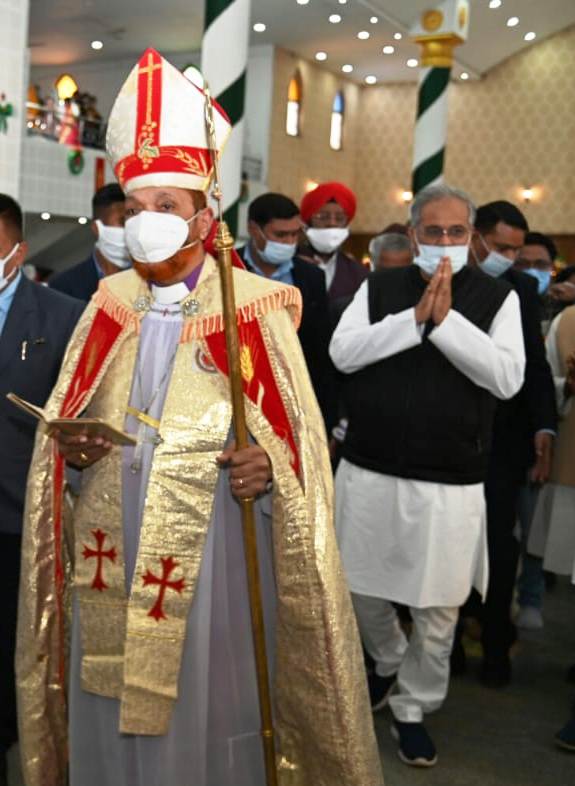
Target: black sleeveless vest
<point>414,415</point>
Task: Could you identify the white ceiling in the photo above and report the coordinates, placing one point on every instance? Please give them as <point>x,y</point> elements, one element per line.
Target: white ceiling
<point>61,30</point>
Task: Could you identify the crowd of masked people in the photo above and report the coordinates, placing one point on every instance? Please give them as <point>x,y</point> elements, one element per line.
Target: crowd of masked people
<point>444,369</point>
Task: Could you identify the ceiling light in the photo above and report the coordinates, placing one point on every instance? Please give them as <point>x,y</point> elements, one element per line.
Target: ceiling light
<point>388,50</point>
<point>371,79</point>
<point>374,20</point>
<point>397,36</point>
<point>259,27</point>
<point>321,55</point>
<point>464,75</point>
<point>342,2</point>
<point>302,2</point>
<point>363,34</point>
<point>45,216</point>
<point>513,21</point>
<point>406,196</point>
<point>97,44</point>
<point>347,68</point>
<point>82,220</point>
<point>412,62</point>
<point>334,19</point>
<point>494,3</point>
<point>529,36</point>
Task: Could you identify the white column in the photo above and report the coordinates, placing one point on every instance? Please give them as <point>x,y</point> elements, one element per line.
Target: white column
<point>14,84</point>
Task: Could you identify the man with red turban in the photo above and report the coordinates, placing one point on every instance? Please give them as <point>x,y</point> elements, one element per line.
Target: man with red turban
<point>327,212</point>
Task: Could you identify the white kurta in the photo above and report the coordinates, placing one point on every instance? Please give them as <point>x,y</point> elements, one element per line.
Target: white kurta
<point>552,534</point>
<point>416,542</point>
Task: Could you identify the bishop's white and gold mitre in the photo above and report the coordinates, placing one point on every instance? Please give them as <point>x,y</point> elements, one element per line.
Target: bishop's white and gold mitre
<point>157,131</point>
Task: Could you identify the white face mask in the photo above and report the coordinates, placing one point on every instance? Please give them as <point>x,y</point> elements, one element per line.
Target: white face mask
<point>494,264</point>
<point>111,243</point>
<point>429,257</point>
<point>327,240</point>
<point>154,237</point>
<point>3,263</point>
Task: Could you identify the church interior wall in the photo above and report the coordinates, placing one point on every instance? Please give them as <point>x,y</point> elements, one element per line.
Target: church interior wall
<point>513,129</point>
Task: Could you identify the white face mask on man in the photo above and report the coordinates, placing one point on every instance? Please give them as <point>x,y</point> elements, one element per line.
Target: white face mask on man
<point>111,243</point>
<point>429,257</point>
<point>3,263</point>
<point>154,237</point>
<point>327,240</point>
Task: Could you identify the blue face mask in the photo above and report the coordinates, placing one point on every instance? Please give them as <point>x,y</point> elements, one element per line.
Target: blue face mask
<point>276,253</point>
<point>543,278</point>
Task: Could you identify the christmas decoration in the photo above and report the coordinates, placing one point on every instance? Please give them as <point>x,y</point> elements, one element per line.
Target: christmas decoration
<point>6,111</point>
<point>75,162</point>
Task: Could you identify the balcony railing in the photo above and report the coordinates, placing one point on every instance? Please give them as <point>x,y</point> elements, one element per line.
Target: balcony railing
<point>64,126</point>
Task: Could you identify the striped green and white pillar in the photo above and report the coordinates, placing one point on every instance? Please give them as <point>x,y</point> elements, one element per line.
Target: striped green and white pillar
<point>224,63</point>
<point>439,31</point>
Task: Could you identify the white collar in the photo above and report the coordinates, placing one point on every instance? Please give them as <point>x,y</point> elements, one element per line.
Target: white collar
<point>174,293</point>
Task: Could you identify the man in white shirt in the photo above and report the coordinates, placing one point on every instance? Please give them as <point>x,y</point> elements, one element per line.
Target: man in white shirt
<point>428,349</point>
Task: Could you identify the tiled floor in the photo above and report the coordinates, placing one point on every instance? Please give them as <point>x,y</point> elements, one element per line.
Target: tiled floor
<point>494,738</point>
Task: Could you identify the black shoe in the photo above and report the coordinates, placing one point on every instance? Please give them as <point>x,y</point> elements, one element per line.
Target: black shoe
<point>380,690</point>
<point>565,738</point>
<point>495,672</point>
<point>416,747</point>
<point>458,658</point>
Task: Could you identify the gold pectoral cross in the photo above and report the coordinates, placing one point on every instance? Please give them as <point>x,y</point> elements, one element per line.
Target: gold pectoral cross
<point>144,420</point>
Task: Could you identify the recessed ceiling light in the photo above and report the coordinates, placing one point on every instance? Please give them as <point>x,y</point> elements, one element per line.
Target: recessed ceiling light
<point>529,36</point>
<point>412,62</point>
<point>321,55</point>
<point>97,44</point>
<point>388,50</point>
<point>513,21</point>
<point>464,75</point>
<point>342,2</point>
<point>302,2</point>
<point>347,68</point>
<point>334,19</point>
<point>259,27</point>
<point>397,36</point>
<point>494,3</point>
<point>371,79</point>
<point>82,220</point>
<point>374,20</point>
<point>45,216</point>
<point>363,34</point>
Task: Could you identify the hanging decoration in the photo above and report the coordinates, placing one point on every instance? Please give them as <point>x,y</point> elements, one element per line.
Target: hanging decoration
<point>75,162</point>
<point>6,111</point>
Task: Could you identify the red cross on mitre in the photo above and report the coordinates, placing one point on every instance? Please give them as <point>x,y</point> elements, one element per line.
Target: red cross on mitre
<point>99,554</point>
<point>169,564</point>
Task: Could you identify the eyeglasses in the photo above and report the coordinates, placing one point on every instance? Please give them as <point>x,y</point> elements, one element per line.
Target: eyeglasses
<point>435,233</point>
<point>538,264</point>
<point>339,219</point>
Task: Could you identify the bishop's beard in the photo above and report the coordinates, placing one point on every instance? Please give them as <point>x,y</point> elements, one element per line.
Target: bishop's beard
<point>170,270</point>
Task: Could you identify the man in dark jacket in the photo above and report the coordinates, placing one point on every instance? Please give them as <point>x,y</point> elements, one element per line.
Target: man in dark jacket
<point>523,432</point>
<point>35,325</point>
<point>110,254</point>
<point>274,226</point>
